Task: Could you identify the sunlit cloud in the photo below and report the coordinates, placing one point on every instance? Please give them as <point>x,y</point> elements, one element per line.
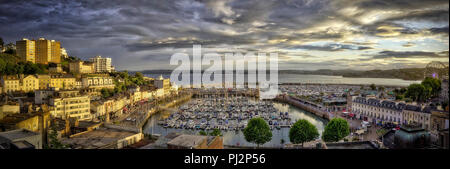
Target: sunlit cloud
<point>334,34</point>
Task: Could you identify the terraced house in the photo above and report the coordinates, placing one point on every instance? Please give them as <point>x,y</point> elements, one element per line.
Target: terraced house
<point>417,114</point>
<point>15,83</point>
<point>62,81</point>
<point>385,111</point>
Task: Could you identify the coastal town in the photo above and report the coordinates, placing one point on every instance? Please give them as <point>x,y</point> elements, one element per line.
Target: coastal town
<point>51,100</point>
<point>224,83</point>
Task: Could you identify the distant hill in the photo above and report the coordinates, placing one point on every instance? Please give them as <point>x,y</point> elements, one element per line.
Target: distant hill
<point>405,74</point>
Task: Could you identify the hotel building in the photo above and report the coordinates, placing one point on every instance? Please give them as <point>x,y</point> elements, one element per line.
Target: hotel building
<point>97,82</point>
<point>384,111</point>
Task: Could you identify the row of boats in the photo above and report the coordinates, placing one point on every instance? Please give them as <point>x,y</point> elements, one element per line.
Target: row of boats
<point>225,114</point>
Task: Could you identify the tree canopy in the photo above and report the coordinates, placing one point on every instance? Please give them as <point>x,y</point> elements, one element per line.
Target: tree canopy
<point>336,130</point>
<point>418,92</point>
<point>373,87</point>
<point>54,142</point>
<point>203,133</point>
<point>428,88</point>
<point>215,132</point>
<point>434,84</point>
<point>257,131</point>
<point>108,92</point>
<point>11,65</point>
<point>303,131</point>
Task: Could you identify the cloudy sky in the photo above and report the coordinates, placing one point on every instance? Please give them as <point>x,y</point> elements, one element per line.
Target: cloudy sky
<point>307,34</point>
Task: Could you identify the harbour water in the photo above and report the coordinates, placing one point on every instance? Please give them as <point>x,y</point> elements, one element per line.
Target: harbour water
<point>236,138</point>
<point>322,79</point>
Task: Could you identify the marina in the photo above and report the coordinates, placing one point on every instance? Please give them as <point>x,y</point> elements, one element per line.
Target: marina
<point>195,115</point>
<point>225,114</point>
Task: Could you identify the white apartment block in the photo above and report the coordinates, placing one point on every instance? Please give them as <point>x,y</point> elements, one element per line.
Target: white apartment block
<point>101,64</point>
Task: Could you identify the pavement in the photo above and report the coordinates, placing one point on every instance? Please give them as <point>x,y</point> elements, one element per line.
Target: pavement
<point>369,135</point>
<point>135,113</point>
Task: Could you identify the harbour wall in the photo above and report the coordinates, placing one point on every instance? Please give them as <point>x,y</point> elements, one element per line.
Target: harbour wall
<point>303,105</point>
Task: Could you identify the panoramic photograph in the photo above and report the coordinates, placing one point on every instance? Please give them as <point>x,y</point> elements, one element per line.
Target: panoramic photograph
<point>243,75</point>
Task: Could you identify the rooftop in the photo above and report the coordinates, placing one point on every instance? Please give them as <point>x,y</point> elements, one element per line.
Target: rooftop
<point>23,145</point>
<point>352,145</point>
<point>189,140</point>
<point>59,124</point>
<point>97,138</point>
<point>17,134</point>
<point>18,117</point>
<point>393,105</point>
<point>86,124</point>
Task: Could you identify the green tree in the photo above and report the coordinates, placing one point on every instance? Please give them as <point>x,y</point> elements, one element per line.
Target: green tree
<point>418,92</point>
<point>139,75</point>
<point>2,66</point>
<point>1,42</point>
<point>123,74</point>
<point>54,143</point>
<point>434,84</point>
<point>336,130</point>
<point>303,131</point>
<point>203,133</point>
<point>257,131</point>
<point>107,92</point>
<point>10,69</point>
<point>399,97</point>
<point>373,87</point>
<point>215,132</point>
<point>10,49</point>
<point>444,104</point>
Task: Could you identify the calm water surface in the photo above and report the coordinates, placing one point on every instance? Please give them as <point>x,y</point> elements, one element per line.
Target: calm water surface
<point>237,137</point>
<point>322,79</point>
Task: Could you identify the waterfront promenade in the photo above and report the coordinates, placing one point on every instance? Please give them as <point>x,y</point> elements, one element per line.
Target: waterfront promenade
<point>138,114</point>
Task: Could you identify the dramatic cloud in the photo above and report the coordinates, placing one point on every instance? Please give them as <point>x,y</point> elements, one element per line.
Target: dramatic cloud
<point>307,34</point>
<point>410,54</point>
<point>333,47</point>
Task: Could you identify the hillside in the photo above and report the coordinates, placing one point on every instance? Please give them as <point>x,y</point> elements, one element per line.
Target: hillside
<point>405,74</point>
<point>11,65</point>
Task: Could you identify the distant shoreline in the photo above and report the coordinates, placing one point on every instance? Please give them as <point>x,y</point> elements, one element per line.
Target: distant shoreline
<point>412,74</point>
